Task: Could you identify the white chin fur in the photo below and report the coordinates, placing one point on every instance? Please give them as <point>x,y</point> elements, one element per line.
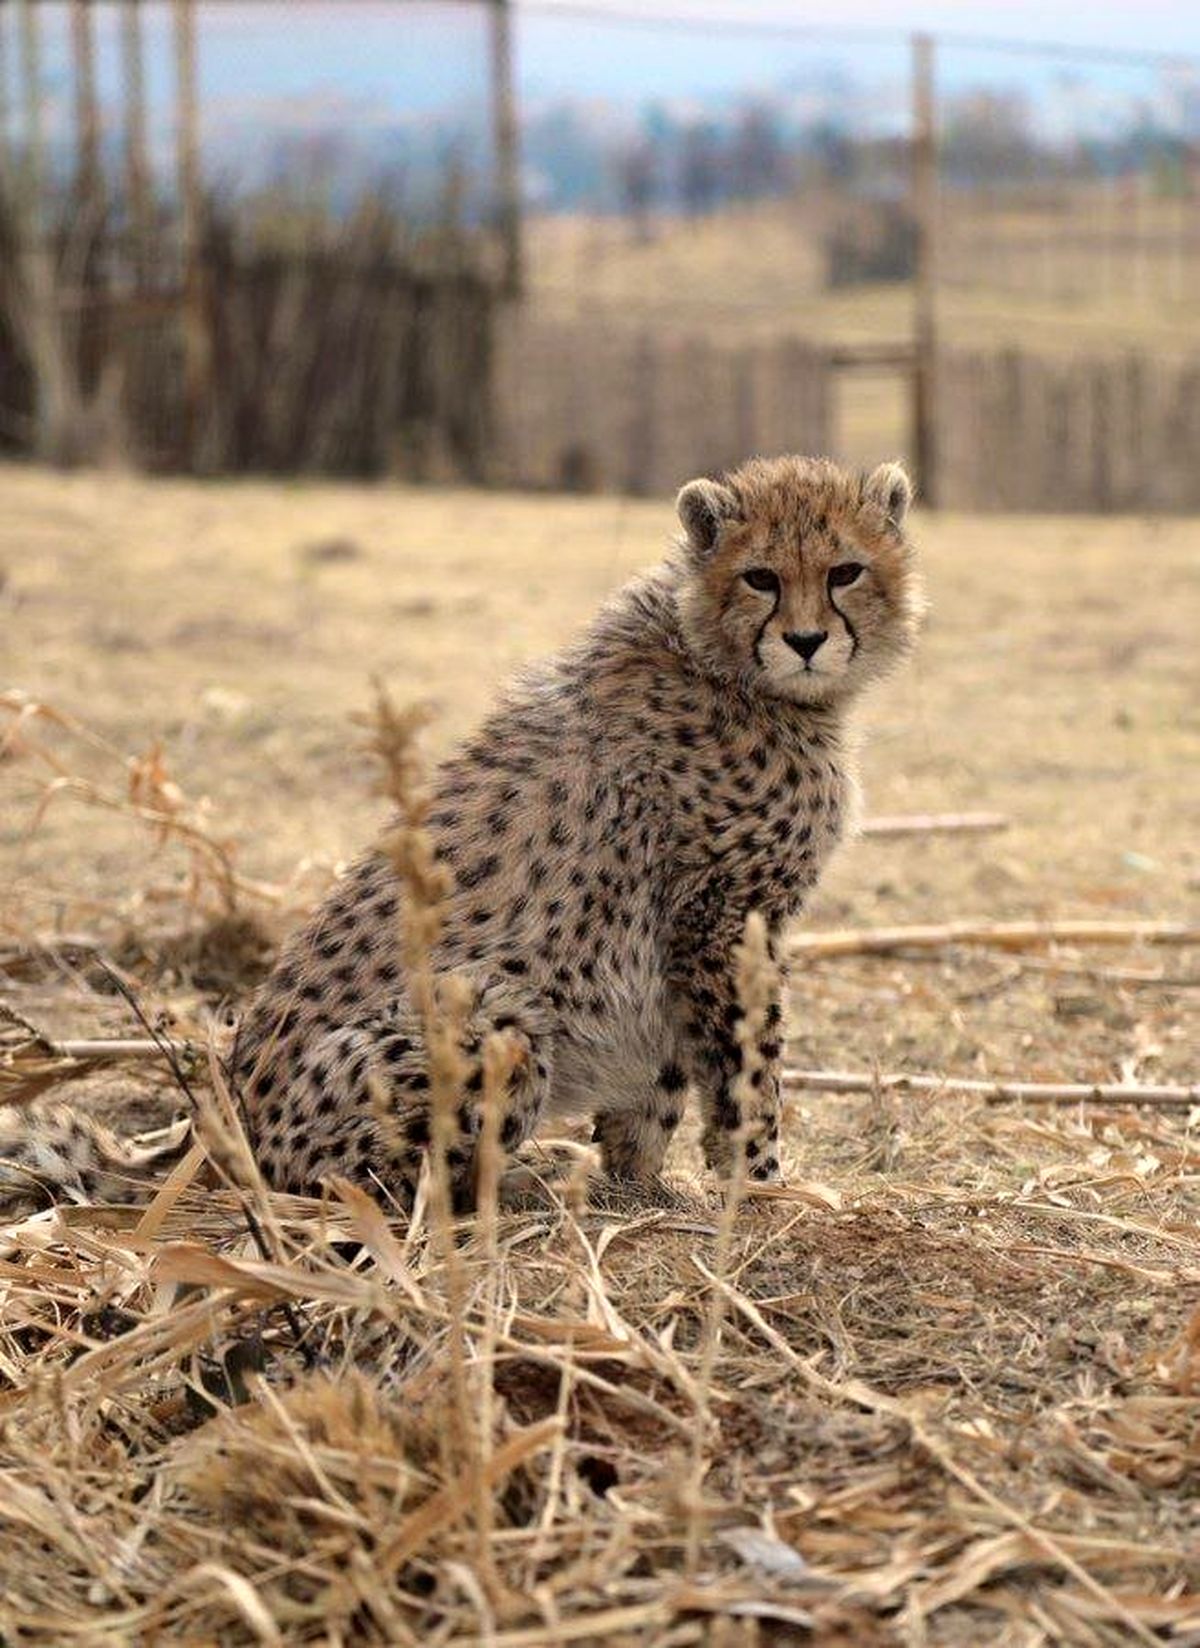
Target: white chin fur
<point>805,686</point>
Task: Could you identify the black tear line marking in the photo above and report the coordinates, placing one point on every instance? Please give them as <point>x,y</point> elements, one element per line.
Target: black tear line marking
<point>763,627</point>
<point>850,629</point>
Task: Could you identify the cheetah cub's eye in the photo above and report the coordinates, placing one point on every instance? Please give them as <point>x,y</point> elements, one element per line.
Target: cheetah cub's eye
<point>762,579</point>
<point>846,572</point>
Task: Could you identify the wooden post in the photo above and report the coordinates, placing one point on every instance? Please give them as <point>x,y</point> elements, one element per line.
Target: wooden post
<point>56,393</point>
<point>925,205</point>
<point>137,169</point>
<point>7,177</point>
<point>195,327</point>
<point>505,140</point>
<point>87,118</point>
<point>87,230</point>
<point>31,82</point>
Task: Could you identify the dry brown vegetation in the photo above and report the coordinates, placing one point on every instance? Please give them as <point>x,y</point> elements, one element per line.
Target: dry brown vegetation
<point>942,1389</point>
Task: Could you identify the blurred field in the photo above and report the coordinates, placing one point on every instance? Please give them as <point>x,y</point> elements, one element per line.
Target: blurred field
<point>1090,271</point>
<point>1085,272</point>
<point>984,1311</point>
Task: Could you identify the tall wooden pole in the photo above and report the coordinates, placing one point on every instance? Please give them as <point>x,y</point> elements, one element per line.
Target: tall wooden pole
<point>87,117</point>
<point>34,149</point>
<point>195,327</point>
<point>505,141</point>
<point>7,177</point>
<point>925,212</point>
<point>137,170</point>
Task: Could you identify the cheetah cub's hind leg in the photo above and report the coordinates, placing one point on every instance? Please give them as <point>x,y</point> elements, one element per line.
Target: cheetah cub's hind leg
<point>360,1104</point>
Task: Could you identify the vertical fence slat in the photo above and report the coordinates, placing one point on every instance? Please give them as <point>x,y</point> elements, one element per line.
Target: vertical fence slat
<point>137,168</point>
<point>196,342</point>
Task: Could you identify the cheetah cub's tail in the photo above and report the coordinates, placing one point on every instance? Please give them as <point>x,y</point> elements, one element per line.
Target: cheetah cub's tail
<point>55,1153</point>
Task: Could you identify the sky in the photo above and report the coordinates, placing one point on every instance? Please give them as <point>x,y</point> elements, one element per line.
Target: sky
<point>353,63</point>
<point>1150,25</point>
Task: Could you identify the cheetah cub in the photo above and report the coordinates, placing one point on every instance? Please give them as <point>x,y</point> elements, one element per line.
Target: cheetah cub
<point>609,829</point>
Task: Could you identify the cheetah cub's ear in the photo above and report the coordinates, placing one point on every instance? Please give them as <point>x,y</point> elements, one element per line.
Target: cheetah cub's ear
<point>890,489</point>
<point>704,507</point>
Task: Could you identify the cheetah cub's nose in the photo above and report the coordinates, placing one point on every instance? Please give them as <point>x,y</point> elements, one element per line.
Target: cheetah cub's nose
<point>807,644</point>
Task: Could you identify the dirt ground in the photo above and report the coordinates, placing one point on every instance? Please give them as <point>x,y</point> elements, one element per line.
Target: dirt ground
<point>1021,1278</point>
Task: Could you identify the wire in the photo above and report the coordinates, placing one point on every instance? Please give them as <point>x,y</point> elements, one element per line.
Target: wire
<point>780,28</point>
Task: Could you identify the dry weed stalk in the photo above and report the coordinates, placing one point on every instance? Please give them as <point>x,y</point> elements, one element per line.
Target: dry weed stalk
<point>499,1059</point>
<point>758,988</point>
<point>150,796</point>
<point>443,1005</point>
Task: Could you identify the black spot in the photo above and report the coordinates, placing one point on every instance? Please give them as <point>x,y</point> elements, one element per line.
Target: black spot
<point>672,1079</point>
<point>599,1474</point>
<point>510,1131</point>
<point>481,871</point>
<point>515,966</point>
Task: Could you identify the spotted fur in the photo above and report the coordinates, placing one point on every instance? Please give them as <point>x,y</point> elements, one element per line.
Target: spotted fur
<point>609,829</point>
<point>58,1153</point>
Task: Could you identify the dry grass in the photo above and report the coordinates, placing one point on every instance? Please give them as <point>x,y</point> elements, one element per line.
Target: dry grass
<point>942,1389</point>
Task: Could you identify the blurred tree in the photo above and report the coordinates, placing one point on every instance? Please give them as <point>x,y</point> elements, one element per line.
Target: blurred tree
<point>637,171</point>
<point>757,161</point>
<point>700,168</point>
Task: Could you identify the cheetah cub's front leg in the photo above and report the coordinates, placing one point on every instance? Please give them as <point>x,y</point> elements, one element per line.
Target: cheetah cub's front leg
<point>707,1000</point>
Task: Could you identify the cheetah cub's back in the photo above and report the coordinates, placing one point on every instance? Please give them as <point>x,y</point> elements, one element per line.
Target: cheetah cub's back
<point>609,828</point>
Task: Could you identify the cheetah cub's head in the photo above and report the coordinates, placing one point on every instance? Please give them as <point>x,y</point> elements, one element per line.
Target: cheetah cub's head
<point>796,578</point>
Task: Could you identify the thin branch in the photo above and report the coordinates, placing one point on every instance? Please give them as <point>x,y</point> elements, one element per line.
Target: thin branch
<point>110,1051</point>
<point>935,824</point>
<point>1165,1096</point>
<point>1004,935</point>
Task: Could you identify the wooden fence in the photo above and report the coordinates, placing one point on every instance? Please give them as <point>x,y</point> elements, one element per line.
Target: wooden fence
<point>590,408</point>
<point>352,359</point>
<point>1019,431</point>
